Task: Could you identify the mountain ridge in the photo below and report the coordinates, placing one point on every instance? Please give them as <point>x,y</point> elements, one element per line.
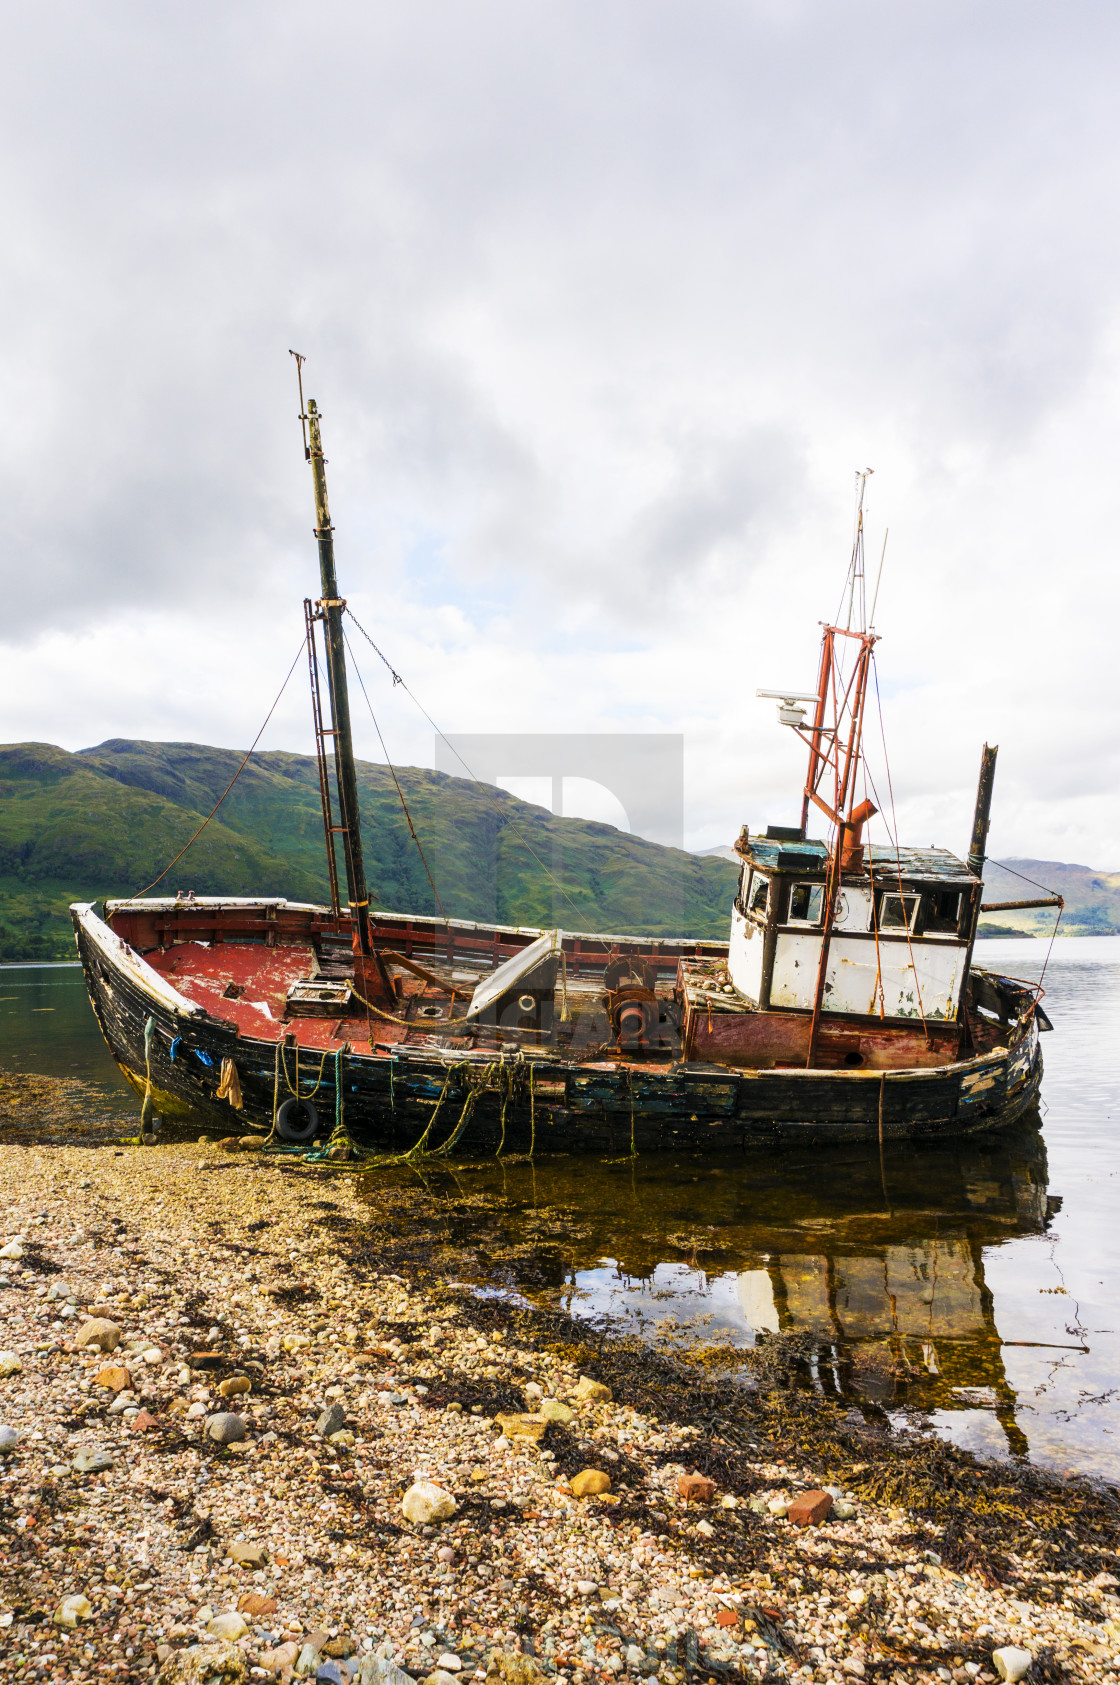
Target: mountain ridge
<point>105,821</point>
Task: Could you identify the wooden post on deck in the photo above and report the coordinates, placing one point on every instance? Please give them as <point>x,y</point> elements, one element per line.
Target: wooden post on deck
<point>978,847</point>
<point>977,855</point>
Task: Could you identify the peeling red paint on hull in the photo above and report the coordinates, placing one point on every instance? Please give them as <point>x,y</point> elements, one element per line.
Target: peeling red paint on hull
<point>213,982</point>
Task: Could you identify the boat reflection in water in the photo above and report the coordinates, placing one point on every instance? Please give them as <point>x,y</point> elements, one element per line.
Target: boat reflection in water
<point>893,1297</point>
<point>876,1264</point>
<point>912,1322</point>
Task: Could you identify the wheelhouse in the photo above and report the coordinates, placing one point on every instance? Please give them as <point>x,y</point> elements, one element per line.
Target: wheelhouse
<point>901,924</point>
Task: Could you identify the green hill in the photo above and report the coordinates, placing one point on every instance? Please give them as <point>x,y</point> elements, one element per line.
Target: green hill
<point>1092,898</point>
<point>106,821</point>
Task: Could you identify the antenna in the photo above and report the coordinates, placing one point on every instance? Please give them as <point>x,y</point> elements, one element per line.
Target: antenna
<point>300,360</point>
<point>856,571</point>
<point>879,575</point>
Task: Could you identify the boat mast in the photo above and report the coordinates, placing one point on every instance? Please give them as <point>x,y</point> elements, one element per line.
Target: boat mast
<point>330,607</point>
<point>835,751</point>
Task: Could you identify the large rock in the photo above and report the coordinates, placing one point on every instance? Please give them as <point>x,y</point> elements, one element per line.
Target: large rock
<point>331,1421</point>
<point>593,1392</point>
<point>73,1609</point>
<point>1011,1662</point>
<point>283,1656</point>
<point>9,1438</point>
<point>114,1376</point>
<point>378,1670</point>
<point>588,1483</point>
<point>553,1411</point>
<point>230,1626</point>
<point>236,1384</point>
<point>217,1663</point>
<point>9,1365</point>
<point>425,1502</point>
<point>99,1332</point>
<point>309,1660</point>
<point>513,1668</point>
<point>252,1556</point>
<point>93,1462</point>
<point>522,1426</point>
<point>256,1603</point>
<point>332,1673</point>
<point>225,1427</point>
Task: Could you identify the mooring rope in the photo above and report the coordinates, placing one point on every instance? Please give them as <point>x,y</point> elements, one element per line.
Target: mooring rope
<point>340,1133</point>
<point>284,1063</point>
<point>146,1106</point>
<point>379,1012</point>
<point>275,1089</point>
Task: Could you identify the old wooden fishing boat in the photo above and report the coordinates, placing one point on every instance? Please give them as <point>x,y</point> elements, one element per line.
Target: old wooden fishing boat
<point>843,1005</point>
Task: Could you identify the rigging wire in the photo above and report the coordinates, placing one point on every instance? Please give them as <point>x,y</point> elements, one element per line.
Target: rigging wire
<point>232,782</point>
<point>396,782</point>
<point>894,844</point>
<point>485,788</point>
<point>874,906</point>
<point>1023,878</point>
<point>897,853</point>
<point>879,579</point>
<point>1050,949</point>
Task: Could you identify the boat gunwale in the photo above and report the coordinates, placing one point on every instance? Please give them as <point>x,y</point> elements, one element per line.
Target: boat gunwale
<point>116,950</point>
<point>215,903</point>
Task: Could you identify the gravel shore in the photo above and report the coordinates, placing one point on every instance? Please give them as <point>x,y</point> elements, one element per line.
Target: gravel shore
<point>290,1309</point>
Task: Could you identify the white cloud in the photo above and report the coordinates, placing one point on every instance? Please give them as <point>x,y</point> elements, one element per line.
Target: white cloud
<point>603,305</point>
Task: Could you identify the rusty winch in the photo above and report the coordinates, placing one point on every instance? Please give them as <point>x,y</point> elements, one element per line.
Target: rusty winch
<point>632,1005</point>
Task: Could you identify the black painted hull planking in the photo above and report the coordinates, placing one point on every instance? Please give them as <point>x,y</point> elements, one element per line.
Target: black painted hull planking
<point>522,1105</point>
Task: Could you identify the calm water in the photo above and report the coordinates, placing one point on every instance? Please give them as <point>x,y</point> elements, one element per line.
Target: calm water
<point>976,1283</point>
<point>47,1024</point>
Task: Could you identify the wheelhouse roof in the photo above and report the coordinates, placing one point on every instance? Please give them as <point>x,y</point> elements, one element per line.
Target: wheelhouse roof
<point>914,865</point>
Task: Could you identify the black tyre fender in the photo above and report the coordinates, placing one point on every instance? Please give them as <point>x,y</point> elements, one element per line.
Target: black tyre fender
<point>297,1120</point>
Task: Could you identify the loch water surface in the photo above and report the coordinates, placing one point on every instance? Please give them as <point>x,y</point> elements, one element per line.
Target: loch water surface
<point>973,1284</point>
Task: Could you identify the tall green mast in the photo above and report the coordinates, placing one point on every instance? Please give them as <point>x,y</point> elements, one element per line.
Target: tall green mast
<point>330,607</point>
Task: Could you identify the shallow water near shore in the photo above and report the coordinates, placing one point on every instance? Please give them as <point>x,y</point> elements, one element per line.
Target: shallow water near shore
<point>973,1283</point>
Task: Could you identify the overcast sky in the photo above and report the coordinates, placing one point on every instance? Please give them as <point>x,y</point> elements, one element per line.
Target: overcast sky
<point>603,303</point>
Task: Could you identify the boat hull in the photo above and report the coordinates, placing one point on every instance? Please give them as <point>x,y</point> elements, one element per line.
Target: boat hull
<point>390,1099</point>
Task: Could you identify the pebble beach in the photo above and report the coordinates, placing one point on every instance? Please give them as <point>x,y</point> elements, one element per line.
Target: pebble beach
<point>252,1427</point>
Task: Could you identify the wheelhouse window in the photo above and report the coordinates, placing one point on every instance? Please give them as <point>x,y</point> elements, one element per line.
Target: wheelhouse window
<point>759,896</point>
<point>898,912</point>
<point>941,912</point>
<point>806,903</point>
